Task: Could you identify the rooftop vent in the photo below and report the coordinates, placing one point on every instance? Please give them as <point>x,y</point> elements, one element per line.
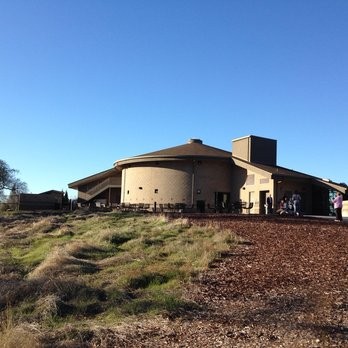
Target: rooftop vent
<point>196,141</point>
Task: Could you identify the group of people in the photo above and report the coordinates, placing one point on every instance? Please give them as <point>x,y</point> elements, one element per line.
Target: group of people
<point>290,206</point>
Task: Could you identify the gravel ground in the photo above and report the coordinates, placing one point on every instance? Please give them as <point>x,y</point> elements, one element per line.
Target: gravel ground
<point>284,285</point>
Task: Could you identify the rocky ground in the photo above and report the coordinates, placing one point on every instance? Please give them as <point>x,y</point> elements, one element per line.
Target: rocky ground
<point>284,285</point>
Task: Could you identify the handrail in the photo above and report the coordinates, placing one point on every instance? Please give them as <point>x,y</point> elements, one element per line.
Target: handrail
<point>98,187</point>
<point>93,191</point>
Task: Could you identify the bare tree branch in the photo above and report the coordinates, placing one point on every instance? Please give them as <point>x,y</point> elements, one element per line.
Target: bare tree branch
<point>9,180</point>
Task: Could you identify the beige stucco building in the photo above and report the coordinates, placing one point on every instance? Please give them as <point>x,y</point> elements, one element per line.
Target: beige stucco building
<point>204,178</point>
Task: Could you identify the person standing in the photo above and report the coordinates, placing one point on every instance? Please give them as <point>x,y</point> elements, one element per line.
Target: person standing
<point>296,198</point>
<point>269,202</point>
<point>338,202</point>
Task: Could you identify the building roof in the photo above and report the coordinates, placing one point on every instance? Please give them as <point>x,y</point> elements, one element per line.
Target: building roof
<point>277,172</point>
<point>194,148</point>
<point>51,192</point>
<point>274,171</point>
<point>99,176</point>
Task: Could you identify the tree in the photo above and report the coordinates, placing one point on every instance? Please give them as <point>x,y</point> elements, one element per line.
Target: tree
<point>65,199</point>
<point>9,179</point>
<point>13,199</point>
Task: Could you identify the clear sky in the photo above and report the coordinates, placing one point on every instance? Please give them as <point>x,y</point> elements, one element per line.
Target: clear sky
<point>86,82</point>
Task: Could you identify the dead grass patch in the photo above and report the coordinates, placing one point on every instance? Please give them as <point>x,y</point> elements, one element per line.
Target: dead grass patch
<point>14,335</point>
<point>82,250</point>
<point>103,267</point>
<point>59,262</point>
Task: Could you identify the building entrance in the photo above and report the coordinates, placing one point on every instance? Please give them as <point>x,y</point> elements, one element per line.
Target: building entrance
<point>222,201</point>
<point>201,206</point>
<point>262,200</point>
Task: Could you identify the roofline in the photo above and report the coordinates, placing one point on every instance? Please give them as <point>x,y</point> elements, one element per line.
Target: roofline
<point>336,186</point>
<point>159,158</point>
<point>238,160</point>
<point>240,138</point>
<point>257,165</point>
<point>252,136</point>
<point>90,178</point>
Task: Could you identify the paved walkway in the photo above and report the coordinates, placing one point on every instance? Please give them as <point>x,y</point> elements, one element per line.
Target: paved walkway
<point>345,219</point>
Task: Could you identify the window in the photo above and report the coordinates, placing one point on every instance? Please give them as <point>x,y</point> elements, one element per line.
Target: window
<point>250,180</point>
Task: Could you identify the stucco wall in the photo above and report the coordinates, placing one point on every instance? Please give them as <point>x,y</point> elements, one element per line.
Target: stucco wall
<point>177,181</point>
<point>345,209</point>
<point>255,185</point>
<point>250,192</point>
<point>165,183</point>
<point>255,149</point>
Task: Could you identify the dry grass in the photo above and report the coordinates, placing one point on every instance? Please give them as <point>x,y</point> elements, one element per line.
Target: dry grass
<point>61,261</point>
<point>14,335</point>
<point>104,267</point>
<point>47,306</point>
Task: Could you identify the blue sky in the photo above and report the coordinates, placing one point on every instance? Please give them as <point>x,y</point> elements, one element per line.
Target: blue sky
<point>86,82</point>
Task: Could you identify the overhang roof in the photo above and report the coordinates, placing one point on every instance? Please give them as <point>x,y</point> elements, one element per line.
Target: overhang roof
<point>193,149</point>
<point>274,171</point>
<point>277,172</point>
<point>99,176</point>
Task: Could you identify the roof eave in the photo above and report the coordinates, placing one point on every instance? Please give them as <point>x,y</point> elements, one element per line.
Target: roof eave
<point>332,185</point>
<point>159,158</point>
<point>105,173</point>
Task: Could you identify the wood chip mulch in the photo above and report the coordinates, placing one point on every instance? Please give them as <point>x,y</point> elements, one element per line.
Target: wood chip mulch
<point>285,284</point>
